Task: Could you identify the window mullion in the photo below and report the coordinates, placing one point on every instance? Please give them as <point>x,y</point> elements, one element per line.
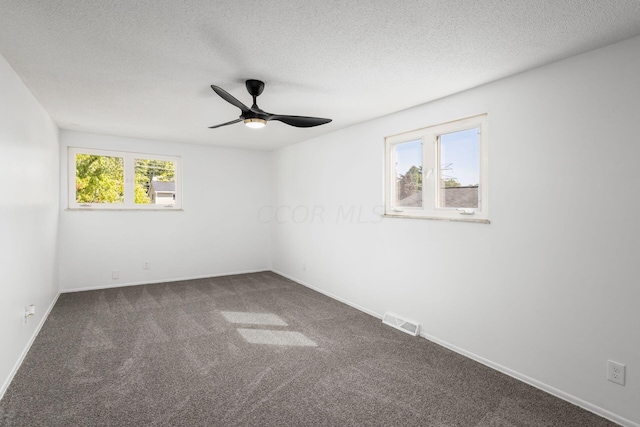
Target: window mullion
<point>430,170</point>
<point>129,181</point>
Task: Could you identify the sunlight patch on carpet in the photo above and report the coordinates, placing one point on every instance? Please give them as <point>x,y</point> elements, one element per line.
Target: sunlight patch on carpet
<point>253,318</point>
<point>258,336</point>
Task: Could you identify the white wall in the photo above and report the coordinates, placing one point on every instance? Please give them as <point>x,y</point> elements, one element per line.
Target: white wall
<point>28,217</point>
<point>218,232</point>
<point>549,290</point>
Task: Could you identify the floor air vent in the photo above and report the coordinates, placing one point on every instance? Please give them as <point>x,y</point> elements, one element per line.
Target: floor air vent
<point>412,328</point>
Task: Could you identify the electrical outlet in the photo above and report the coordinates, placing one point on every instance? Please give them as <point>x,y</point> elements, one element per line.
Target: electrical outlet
<point>115,274</point>
<point>145,265</point>
<point>615,372</point>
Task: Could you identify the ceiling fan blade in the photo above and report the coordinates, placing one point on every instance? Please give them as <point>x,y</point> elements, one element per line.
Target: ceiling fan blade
<point>224,124</point>
<point>230,99</point>
<point>299,121</point>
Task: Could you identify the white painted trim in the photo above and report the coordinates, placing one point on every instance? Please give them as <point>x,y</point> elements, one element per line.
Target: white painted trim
<point>429,138</point>
<point>437,218</point>
<point>18,363</point>
<point>128,159</point>
<point>535,383</point>
<point>151,282</point>
<point>330,295</point>
<point>514,374</point>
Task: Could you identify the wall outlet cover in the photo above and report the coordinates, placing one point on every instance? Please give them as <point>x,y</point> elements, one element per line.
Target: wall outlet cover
<point>616,372</point>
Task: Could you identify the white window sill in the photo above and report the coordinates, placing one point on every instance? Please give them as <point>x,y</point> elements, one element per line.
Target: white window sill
<point>127,209</point>
<point>438,218</point>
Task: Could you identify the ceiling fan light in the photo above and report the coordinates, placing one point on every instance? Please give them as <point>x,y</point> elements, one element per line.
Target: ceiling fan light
<point>255,123</point>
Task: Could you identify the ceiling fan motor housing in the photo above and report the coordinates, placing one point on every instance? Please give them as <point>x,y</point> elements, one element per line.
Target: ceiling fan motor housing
<point>254,87</point>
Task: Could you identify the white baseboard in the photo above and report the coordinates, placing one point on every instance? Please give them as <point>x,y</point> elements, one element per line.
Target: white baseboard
<point>149,282</point>
<point>18,363</point>
<point>535,383</point>
<point>517,375</point>
<point>330,295</point>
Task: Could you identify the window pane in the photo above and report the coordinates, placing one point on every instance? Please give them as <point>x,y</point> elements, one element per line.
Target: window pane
<point>155,182</point>
<point>99,179</point>
<point>409,174</point>
<point>459,169</point>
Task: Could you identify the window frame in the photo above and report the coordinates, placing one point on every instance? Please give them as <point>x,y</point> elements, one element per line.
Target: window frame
<point>431,169</point>
<point>129,158</point>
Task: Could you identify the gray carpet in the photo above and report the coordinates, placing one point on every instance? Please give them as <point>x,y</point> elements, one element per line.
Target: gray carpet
<point>253,350</point>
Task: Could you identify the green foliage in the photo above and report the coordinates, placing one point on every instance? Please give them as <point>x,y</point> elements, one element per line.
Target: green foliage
<point>146,171</point>
<point>451,182</point>
<point>99,179</point>
<point>410,183</point>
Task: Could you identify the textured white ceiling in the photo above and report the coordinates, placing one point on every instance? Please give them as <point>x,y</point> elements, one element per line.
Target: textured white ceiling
<point>143,68</point>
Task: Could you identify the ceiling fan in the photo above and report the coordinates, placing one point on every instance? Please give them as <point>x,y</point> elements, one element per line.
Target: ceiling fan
<point>256,118</point>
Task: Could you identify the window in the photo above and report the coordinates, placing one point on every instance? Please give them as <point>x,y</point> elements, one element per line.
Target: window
<point>101,179</point>
<point>439,172</point>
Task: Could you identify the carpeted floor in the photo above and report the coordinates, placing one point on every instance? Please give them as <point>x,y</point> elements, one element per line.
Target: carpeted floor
<point>253,350</point>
